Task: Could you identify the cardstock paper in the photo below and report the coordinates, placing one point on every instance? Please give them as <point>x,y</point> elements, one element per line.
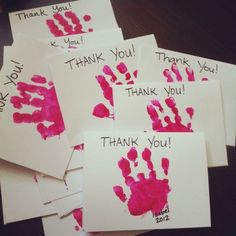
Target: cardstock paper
<point>150,180</point>
<point>66,205</point>
<point>155,62</point>
<point>94,39</point>
<point>77,159</point>
<point>32,129</point>
<point>21,199</point>
<point>64,19</point>
<point>70,225</point>
<point>53,189</point>
<point>85,96</point>
<point>175,107</point>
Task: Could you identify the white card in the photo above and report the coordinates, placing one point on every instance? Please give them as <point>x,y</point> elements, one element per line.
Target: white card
<point>150,180</point>
<point>77,159</point>
<point>53,189</point>
<point>21,199</point>
<point>78,41</point>
<point>175,107</point>
<point>66,205</point>
<point>31,120</point>
<point>71,225</point>
<point>64,19</point>
<point>155,62</point>
<point>85,96</point>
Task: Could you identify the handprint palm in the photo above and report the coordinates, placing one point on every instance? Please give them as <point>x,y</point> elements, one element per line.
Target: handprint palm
<point>147,194</point>
<point>170,126</point>
<point>48,110</point>
<point>101,110</point>
<point>70,24</point>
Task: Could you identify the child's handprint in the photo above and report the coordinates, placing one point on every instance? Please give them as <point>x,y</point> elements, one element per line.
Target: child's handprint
<point>70,24</point>
<point>174,74</point>
<point>78,216</point>
<point>171,126</point>
<point>101,110</point>
<point>48,115</point>
<point>147,194</point>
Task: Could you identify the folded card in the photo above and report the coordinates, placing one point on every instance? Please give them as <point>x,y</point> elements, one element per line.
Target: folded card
<point>32,129</point>
<point>83,81</point>
<point>150,180</point>
<point>163,65</point>
<point>67,18</point>
<point>176,107</point>
<point>21,198</point>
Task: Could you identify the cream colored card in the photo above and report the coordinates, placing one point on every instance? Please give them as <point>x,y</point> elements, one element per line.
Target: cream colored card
<point>150,180</point>
<point>175,107</point>
<point>31,119</point>
<point>76,17</point>
<point>71,225</point>
<point>66,205</point>
<point>156,65</point>
<point>83,83</point>
<point>21,198</point>
<point>52,189</point>
<point>94,39</point>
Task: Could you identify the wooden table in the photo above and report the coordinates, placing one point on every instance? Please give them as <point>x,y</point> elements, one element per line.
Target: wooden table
<point>202,28</point>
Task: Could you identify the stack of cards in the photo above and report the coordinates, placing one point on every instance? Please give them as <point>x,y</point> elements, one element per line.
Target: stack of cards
<point>102,134</point>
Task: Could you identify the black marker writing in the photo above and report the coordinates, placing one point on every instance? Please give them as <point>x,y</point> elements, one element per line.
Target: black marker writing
<point>141,91</point>
<point>3,100</point>
<point>84,61</point>
<point>14,74</point>
<point>175,90</point>
<point>120,54</point>
<point>181,60</point>
<point>36,13</point>
<point>119,142</point>
<point>155,142</point>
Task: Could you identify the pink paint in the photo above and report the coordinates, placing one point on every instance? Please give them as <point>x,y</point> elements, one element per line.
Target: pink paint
<point>177,76</point>
<point>78,216</point>
<point>47,108</point>
<point>171,126</point>
<point>118,190</point>
<point>147,194</point>
<point>132,155</point>
<point>87,18</point>
<point>79,147</point>
<point>101,110</point>
<point>69,22</point>
<point>165,165</point>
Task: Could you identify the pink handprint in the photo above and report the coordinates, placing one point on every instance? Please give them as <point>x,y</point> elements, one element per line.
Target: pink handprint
<point>174,74</point>
<point>78,216</point>
<point>48,110</point>
<point>101,110</point>
<point>70,24</point>
<point>147,194</point>
<point>171,126</point>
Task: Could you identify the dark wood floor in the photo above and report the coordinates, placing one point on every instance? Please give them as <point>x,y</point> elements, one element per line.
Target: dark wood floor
<point>203,28</point>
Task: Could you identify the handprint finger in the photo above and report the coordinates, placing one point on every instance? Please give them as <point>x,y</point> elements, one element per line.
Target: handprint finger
<point>75,20</point>
<point>175,69</point>
<point>64,23</point>
<point>146,155</point>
